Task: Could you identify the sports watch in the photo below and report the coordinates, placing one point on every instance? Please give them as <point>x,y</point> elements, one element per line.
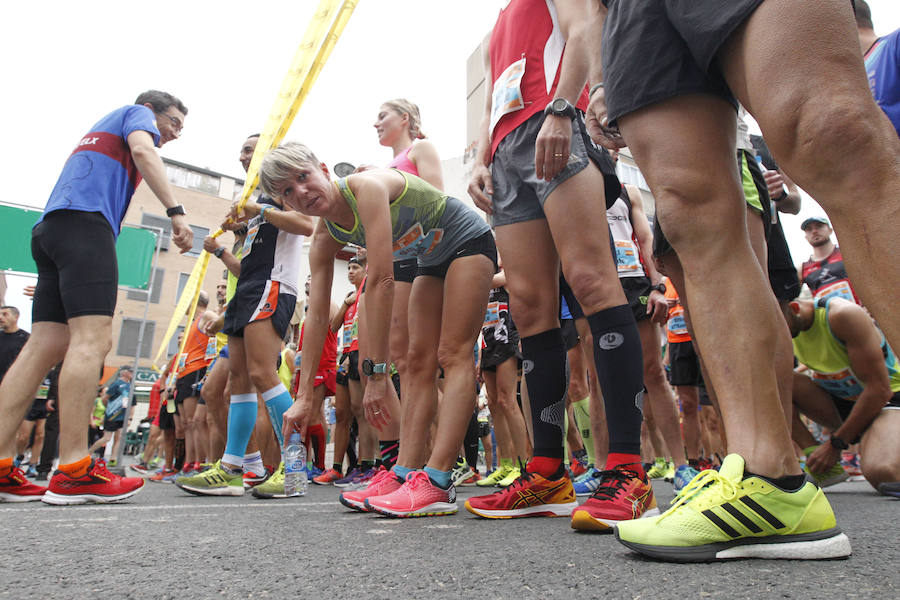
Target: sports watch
<point>837,443</point>
<point>659,287</point>
<point>370,368</point>
<point>561,108</point>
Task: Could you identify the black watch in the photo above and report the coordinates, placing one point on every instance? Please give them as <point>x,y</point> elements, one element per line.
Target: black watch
<point>561,108</point>
<point>370,368</point>
<point>837,443</point>
<point>178,209</point>
<point>659,287</point>
<point>218,252</point>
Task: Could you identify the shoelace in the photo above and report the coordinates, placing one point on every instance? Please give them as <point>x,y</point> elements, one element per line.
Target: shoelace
<point>100,469</point>
<point>706,478</point>
<point>379,477</point>
<point>611,483</point>
<point>417,479</point>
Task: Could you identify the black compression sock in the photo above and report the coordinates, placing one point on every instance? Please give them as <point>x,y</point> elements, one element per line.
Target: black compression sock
<point>544,367</point>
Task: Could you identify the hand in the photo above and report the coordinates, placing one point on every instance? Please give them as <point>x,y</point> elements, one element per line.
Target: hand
<point>481,188</point>
<point>51,405</point>
<point>209,244</point>
<point>28,291</point>
<point>374,402</point>
<point>597,123</point>
<point>182,235</point>
<point>657,307</point>
<point>775,183</point>
<point>552,147</point>
<point>823,458</point>
<point>350,299</point>
<point>213,327</point>
<point>299,416</point>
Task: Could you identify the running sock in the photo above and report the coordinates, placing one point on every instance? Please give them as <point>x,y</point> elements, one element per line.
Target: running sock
<point>79,468</point>
<point>316,434</point>
<point>253,463</point>
<point>582,413</point>
<point>277,400</point>
<point>545,466</point>
<point>401,472</point>
<point>6,466</point>
<point>439,478</point>
<point>619,362</point>
<point>507,462</point>
<point>241,421</point>
<point>366,465</point>
<point>389,451</point>
<point>339,467</point>
<point>620,458</point>
<point>580,455</point>
<point>379,463</point>
<point>544,366</point>
<point>179,454</point>
<point>789,483</point>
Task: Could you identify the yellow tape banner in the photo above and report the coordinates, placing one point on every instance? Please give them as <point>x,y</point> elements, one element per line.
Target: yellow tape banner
<point>314,50</point>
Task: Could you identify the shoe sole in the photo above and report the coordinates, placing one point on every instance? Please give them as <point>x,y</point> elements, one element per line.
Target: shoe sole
<point>229,490</point>
<point>826,545</point>
<point>544,510</point>
<point>582,520</point>
<point>435,509</point>
<point>267,496</point>
<point>353,505</point>
<point>66,500</point>
<point>5,497</point>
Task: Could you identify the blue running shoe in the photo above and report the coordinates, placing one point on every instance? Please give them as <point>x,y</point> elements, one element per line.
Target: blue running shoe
<point>348,478</point>
<point>589,474</point>
<point>585,486</point>
<point>683,476</point>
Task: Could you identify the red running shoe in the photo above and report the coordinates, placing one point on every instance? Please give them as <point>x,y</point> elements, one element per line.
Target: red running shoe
<point>15,488</point>
<point>621,496</point>
<point>417,497</point>
<point>529,496</point>
<point>329,476</point>
<point>97,485</point>
<point>384,482</point>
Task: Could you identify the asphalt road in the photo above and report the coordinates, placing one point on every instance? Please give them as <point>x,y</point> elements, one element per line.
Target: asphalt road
<point>165,543</point>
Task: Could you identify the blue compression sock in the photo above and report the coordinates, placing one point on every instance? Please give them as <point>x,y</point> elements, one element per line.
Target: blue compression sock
<point>277,400</point>
<point>241,421</point>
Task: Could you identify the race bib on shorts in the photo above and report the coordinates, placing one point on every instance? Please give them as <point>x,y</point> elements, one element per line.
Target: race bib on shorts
<point>627,257</point>
<point>492,315</point>
<point>507,94</point>
<point>842,384</point>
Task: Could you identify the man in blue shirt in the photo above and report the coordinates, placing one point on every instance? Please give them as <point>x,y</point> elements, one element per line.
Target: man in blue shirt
<point>882,56</point>
<point>116,399</point>
<point>73,245</point>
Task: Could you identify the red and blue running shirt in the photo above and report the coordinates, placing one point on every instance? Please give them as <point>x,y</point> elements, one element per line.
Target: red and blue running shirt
<point>100,174</point>
<point>883,71</point>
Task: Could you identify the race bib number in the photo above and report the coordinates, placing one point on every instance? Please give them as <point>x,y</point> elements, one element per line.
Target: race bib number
<point>838,289</point>
<point>507,94</point>
<point>415,242</point>
<point>627,257</point>
<point>182,360</point>
<point>842,384</point>
<point>251,235</point>
<point>676,324</point>
<point>492,315</point>
<point>43,390</point>
<point>211,351</point>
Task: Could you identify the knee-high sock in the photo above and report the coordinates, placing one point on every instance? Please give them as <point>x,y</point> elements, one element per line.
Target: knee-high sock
<point>544,366</point>
<point>316,435</point>
<point>582,411</point>
<point>619,361</point>
<point>277,400</point>
<point>241,420</point>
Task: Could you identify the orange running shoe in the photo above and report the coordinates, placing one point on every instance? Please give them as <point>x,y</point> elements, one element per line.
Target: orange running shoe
<point>621,496</point>
<point>329,476</point>
<point>529,496</point>
<point>384,482</point>
<point>97,485</point>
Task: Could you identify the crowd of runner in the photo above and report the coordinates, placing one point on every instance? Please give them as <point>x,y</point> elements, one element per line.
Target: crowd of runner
<point>584,365</point>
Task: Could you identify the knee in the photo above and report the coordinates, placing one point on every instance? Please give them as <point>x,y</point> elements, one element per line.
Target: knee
<point>453,357</point>
<point>589,288</point>
<point>342,415</point>
<point>420,362</point>
<point>878,472</point>
<point>654,376</point>
<point>262,377</point>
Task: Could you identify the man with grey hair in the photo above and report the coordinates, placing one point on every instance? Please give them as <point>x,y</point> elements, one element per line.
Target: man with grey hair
<point>75,296</point>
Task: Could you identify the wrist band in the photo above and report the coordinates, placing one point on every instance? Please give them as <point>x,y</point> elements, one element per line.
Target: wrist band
<point>594,88</point>
<point>262,211</point>
<point>178,209</point>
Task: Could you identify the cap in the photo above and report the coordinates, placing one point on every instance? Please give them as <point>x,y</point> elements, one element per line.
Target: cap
<point>812,220</point>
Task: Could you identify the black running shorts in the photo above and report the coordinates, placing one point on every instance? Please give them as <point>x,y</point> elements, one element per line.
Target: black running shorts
<point>482,244</point>
<point>684,364</point>
<point>257,301</point>
<point>637,291</point>
<point>405,270</point>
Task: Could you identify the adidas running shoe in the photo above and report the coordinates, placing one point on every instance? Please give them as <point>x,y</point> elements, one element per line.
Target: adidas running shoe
<point>419,496</point>
<point>836,474</point>
<point>492,479</point>
<point>273,487</point>
<point>215,481</point>
<point>683,476</point>
<point>511,476</point>
<point>384,482</point>
<point>723,515</point>
<point>14,487</point>
<point>622,494</point>
<point>97,485</point>
<point>658,469</point>
<point>531,495</point>
<point>587,483</point>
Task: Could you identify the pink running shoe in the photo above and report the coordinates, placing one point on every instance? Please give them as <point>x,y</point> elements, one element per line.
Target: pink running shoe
<point>384,482</point>
<point>417,497</point>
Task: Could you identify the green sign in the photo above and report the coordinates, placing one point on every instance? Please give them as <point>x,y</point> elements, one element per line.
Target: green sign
<point>145,375</point>
<point>134,248</point>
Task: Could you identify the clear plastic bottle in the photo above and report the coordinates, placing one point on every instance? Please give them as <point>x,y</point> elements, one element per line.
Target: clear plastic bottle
<point>294,466</point>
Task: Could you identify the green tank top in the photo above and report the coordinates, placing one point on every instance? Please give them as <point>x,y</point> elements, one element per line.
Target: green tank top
<point>426,223</point>
<point>826,356</point>
<point>284,370</point>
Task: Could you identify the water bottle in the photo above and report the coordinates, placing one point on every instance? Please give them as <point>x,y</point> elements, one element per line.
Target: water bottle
<point>294,466</point>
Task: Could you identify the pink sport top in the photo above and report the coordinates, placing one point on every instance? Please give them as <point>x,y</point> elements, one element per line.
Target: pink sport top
<point>402,163</point>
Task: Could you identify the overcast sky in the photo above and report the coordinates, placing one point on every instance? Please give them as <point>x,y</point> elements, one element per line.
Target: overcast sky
<point>66,64</point>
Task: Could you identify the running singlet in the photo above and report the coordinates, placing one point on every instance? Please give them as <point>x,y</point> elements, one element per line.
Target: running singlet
<point>284,370</point>
<point>498,328</point>
<point>427,223</point>
<point>269,253</point>
<point>827,278</point>
<point>100,174</point>
<point>526,50</point>
<point>328,362</point>
<point>676,326</point>
<point>350,331</point>
<point>827,358</point>
<point>883,71</point>
<point>199,351</point>
<point>401,162</point>
<point>629,261</point>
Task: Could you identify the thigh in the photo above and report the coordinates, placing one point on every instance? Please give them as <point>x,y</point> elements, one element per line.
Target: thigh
<point>262,344</point>
<point>881,440</point>
<point>465,296</point>
<point>814,402</point>
<point>426,301</point>
<point>240,375</point>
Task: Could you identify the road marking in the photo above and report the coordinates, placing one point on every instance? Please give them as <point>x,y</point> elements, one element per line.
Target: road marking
<point>164,507</point>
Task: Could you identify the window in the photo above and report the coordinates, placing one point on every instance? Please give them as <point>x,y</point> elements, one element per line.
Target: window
<point>182,281</point>
<point>200,234</point>
<point>129,334</point>
<point>192,180</point>
<point>155,290</point>
<point>632,175</point>
<point>173,343</point>
<point>163,223</point>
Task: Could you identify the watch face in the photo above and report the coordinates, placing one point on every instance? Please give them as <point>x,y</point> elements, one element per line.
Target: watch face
<point>367,367</point>
<point>559,105</point>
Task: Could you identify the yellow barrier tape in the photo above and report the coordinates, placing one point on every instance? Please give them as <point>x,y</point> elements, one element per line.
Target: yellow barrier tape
<point>187,301</point>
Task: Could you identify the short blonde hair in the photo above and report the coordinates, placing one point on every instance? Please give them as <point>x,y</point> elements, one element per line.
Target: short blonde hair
<point>404,106</point>
<point>282,163</point>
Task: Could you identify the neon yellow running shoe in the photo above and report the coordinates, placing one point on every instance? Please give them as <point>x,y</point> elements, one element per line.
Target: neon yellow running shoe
<point>214,481</point>
<point>659,468</point>
<point>511,475</point>
<point>832,476</point>
<point>273,487</point>
<point>491,480</point>
<point>722,515</point>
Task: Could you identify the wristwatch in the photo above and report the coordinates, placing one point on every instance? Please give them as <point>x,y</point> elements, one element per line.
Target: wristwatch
<point>659,287</point>
<point>370,368</point>
<point>218,252</point>
<point>178,209</point>
<point>837,443</point>
<point>561,108</point>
